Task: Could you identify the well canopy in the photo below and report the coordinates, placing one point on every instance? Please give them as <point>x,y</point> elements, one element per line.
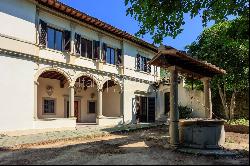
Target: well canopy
<point>168,56</point>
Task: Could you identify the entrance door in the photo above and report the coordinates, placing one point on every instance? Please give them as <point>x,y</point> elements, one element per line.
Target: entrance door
<point>76,111</point>
<point>151,109</point>
<point>145,108</point>
<point>166,102</point>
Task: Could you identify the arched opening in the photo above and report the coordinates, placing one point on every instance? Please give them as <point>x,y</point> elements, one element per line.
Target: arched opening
<point>111,99</point>
<point>52,87</point>
<point>86,97</point>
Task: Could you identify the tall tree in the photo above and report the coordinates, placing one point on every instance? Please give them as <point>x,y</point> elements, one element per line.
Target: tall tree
<point>226,45</point>
<point>163,18</point>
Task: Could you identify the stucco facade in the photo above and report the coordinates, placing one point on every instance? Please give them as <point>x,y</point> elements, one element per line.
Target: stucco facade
<point>23,63</point>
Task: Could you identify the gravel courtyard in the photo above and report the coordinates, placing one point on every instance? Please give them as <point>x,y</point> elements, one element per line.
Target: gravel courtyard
<point>145,147</point>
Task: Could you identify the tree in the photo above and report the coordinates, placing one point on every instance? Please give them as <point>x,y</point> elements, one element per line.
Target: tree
<point>226,45</point>
<point>163,18</point>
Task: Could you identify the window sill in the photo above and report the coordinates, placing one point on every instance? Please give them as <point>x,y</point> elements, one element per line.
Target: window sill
<point>52,50</point>
<point>84,58</point>
<point>143,72</point>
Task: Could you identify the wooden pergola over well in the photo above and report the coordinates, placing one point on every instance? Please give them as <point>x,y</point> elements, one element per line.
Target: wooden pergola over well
<point>179,62</point>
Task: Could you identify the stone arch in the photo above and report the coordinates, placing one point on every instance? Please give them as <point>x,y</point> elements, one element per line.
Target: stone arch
<point>112,79</point>
<point>59,70</point>
<point>86,74</point>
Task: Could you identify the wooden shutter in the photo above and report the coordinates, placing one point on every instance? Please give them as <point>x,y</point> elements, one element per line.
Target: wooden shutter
<point>42,33</point>
<point>77,43</point>
<point>104,51</point>
<point>96,49</point>
<point>138,107</point>
<point>138,61</point>
<point>145,65</point>
<point>119,57</point>
<point>66,40</point>
<point>149,66</point>
<point>151,109</point>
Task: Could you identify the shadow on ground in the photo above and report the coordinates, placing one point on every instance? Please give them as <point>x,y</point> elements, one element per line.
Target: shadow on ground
<point>143,147</point>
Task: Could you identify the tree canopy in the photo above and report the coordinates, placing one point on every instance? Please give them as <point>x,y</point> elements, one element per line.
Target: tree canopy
<point>163,18</point>
<point>226,45</point>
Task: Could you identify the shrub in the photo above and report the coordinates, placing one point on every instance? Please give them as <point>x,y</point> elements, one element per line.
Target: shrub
<point>185,112</point>
<point>238,122</point>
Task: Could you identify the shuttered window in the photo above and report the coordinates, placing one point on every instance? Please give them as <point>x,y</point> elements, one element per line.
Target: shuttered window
<point>54,39</point>
<point>67,43</point>
<point>104,51</point>
<point>110,56</point>
<point>142,63</point>
<point>42,33</point>
<point>77,43</point>
<point>86,48</point>
<point>96,45</point>
<point>119,57</point>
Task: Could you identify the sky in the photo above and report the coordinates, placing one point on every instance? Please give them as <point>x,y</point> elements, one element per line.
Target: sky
<point>114,13</point>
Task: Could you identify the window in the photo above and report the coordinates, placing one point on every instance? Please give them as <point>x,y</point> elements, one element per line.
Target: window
<point>110,55</point>
<point>54,39</point>
<point>49,106</point>
<point>91,107</point>
<point>86,48</point>
<point>142,63</point>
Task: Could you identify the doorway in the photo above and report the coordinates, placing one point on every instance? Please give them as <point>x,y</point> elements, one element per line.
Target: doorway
<point>145,109</point>
<point>76,111</point>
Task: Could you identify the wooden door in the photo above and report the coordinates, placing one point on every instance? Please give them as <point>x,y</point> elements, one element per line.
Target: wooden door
<point>76,111</point>
<point>144,109</point>
<point>151,109</point>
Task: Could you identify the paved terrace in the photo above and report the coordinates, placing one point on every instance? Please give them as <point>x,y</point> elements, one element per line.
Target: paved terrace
<point>30,137</point>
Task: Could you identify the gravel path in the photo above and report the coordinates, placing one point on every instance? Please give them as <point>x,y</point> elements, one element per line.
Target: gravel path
<point>146,147</point>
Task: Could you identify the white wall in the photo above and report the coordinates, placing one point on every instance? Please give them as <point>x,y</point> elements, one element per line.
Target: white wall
<point>186,97</point>
<point>17,93</point>
<point>111,102</point>
<point>130,91</point>
<point>18,19</point>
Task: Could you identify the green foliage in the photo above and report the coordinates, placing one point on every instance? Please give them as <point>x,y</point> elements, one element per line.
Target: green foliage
<point>164,73</point>
<point>193,84</point>
<point>226,45</point>
<point>162,18</point>
<point>238,122</point>
<point>184,112</point>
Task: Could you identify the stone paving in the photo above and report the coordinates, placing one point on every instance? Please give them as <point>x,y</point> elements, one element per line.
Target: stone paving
<point>80,132</point>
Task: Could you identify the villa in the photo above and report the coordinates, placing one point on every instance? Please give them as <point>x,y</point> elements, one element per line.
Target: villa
<point>61,67</point>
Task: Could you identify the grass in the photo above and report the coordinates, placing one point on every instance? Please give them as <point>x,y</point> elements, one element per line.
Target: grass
<point>238,122</point>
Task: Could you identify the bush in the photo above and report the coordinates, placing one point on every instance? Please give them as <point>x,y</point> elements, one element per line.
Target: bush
<point>238,122</point>
<point>185,112</point>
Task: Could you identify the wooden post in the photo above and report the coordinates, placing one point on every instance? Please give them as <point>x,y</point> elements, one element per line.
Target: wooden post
<point>174,112</point>
<point>207,98</point>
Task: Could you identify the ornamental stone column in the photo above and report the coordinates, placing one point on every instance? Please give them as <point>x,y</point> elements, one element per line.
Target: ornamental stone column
<point>122,104</point>
<point>174,112</point>
<point>71,101</point>
<point>36,83</point>
<point>99,103</point>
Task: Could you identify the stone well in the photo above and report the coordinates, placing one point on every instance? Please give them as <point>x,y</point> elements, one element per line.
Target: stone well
<point>202,133</point>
